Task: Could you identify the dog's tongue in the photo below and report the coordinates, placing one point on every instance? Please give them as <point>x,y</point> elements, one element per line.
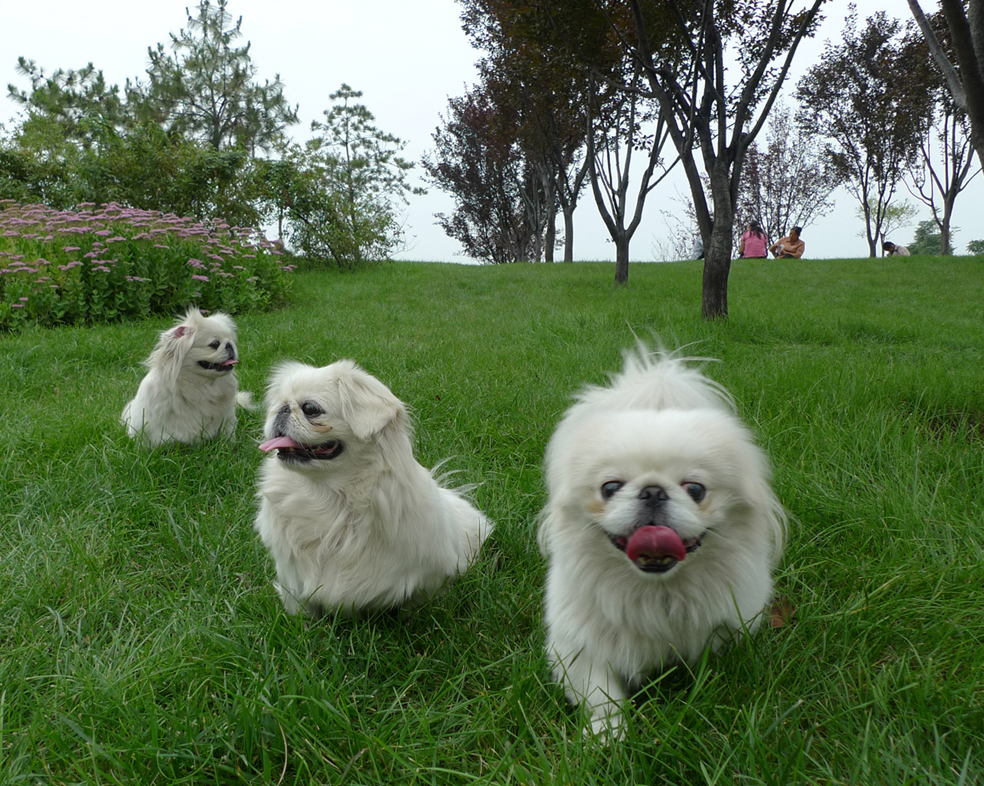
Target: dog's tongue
<point>655,543</point>
<point>229,362</point>
<point>278,442</point>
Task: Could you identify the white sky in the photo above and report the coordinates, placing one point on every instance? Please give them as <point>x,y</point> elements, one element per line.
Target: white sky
<point>407,57</point>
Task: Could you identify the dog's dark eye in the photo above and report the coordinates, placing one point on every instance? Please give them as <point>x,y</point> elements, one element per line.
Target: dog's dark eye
<point>608,489</point>
<point>214,344</point>
<point>311,410</point>
<point>696,491</point>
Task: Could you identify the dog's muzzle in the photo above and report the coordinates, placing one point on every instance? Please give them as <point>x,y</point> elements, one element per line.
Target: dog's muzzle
<point>225,366</point>
<point>291,451</point>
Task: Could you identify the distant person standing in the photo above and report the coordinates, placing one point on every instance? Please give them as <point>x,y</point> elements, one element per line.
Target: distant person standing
<point>890,249</point>
<point>754,243</point>
<point>789,247</point>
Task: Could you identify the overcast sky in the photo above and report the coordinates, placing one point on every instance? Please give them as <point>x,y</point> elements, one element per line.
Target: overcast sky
<point>407,57</point>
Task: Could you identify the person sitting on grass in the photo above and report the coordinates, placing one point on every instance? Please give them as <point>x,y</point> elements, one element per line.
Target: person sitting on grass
<point>754,243</point>
<point>890,249</point>
<point>789,247</point>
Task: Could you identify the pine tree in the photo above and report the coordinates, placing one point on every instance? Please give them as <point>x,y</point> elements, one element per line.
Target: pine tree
<point>206,87</point>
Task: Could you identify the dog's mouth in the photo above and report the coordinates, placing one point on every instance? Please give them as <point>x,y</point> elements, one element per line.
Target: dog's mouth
<point>289,450</point>
<point>225,365</point>
<point>655,549</point>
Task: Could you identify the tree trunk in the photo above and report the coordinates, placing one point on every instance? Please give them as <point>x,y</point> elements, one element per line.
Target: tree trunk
<point>717,248</point>
<point>550,240</point>
<point>872,239</point>
<point>967,36</point>
<point>714,289</point>
<point>568,234</point>
<point>717,268</point>
<point>622,259</point>
<point>948,200</point>
<point>550,206</point>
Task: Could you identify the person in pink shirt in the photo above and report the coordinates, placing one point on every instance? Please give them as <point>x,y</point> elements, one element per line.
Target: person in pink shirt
<point>754,244</point>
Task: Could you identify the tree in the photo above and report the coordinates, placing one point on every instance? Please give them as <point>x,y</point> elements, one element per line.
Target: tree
<point>67,106</point>
<point>944,169</point>
<point>786,184</point>
<point>895,216</point>
<point>25,177</point>
<point>545,98</point>
<point>963,70</point>
<point>563,107</point>
<point>149,169</point>
<point>346,204</point>
<point>927,240</point>
<point>206,88</point>
<point>477,159</point>
<point>615,133</point>
<point>550,116</point>
<point>950,129</point>
<point>859,97</point>
<point>82,139</point>
<point>66,117</point>
<point>682,237</point>
<point>682,46</point>
<point>277,181</point>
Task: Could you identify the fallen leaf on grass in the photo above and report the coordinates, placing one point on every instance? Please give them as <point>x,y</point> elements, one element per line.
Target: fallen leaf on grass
<point>782,612</point>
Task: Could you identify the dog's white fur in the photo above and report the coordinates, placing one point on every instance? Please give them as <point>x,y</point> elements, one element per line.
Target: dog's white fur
<point>609,625</point>
<point>369,528</point>
<point>180,400</point>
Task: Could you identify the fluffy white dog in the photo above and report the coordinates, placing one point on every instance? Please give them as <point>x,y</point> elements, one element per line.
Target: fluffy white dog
<point>660,529</point>
<point>190,392</point>
<point>353,522</point>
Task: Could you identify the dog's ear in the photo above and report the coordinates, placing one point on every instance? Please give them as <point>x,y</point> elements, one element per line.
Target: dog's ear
<point>172,346</point>
<point>368,406</point>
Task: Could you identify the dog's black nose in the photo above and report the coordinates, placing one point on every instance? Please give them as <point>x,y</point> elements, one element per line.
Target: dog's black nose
<point>654,495</point>
<point>282,421</point>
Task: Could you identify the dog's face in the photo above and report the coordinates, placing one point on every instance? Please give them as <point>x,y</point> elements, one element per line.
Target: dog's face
<point>330,419</point>
<point>212,353</point>
<point>655,484</point>
<point>200,345</point>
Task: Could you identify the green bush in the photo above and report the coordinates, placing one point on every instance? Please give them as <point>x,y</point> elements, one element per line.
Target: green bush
<point>106,263</point>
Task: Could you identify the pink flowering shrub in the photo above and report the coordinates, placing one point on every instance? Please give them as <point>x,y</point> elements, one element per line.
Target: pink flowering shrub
<point>105,263</point>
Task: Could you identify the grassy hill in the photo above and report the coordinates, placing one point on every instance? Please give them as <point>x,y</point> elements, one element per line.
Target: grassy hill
<point>142,642</point>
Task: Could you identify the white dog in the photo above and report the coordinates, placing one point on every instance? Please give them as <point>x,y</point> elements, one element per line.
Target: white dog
<point>660,529</point>
<point>190,392</point>
<point>353,522</point>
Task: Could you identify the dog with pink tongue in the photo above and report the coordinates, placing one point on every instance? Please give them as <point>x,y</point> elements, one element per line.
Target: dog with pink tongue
<point>190,392</point>
<point>353,522</point>
<point>660,530</point>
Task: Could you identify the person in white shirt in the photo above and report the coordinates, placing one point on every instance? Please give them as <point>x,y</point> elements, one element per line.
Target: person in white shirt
<point>889,249</point>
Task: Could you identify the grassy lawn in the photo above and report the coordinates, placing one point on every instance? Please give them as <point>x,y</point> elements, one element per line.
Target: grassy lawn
<point>141,641</point>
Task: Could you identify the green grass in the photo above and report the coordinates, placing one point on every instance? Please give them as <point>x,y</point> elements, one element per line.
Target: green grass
<point>141,641</point>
